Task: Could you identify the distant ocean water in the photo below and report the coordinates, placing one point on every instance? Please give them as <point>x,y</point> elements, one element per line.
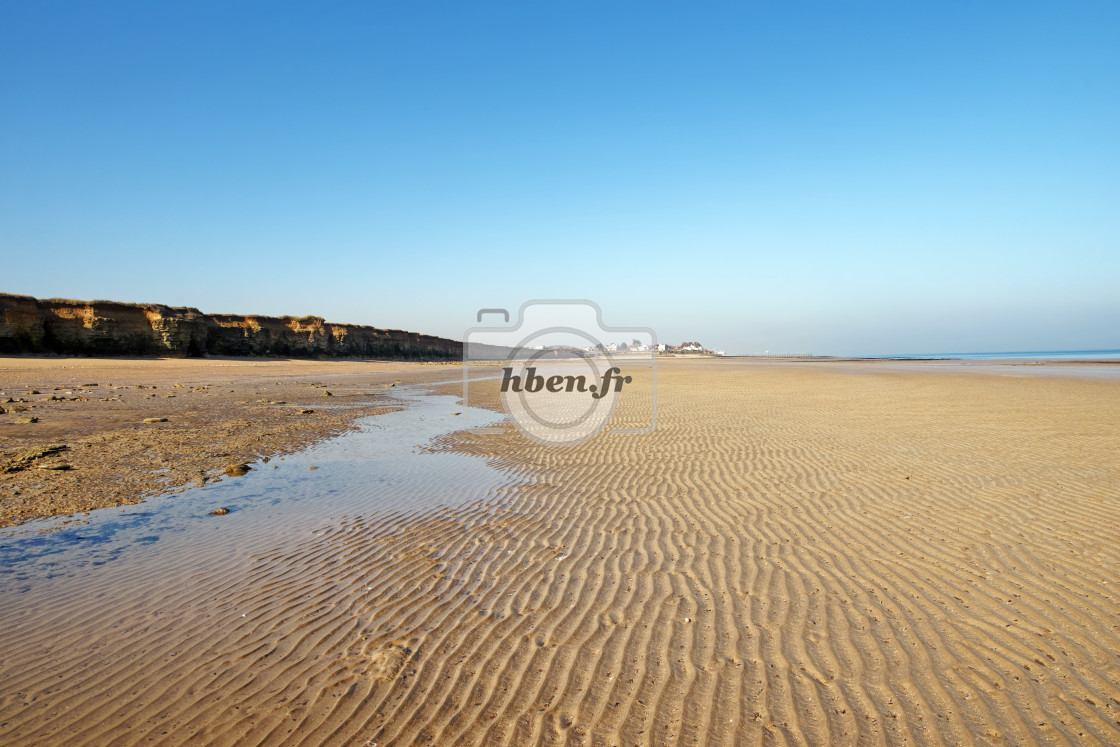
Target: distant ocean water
<point>1042,355</point>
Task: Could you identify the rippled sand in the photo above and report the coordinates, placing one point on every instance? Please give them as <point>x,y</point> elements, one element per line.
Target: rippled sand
<point>798,554</point>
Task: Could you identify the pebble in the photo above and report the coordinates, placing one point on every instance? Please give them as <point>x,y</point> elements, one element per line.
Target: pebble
<point>219,511</point>
<point>155,420</point>
<point>236,470</point>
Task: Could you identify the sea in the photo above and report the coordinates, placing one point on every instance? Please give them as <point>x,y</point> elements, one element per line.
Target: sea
<point>1040,355</point>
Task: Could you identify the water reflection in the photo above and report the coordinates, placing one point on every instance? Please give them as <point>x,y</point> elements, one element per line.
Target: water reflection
<point>380,469</point>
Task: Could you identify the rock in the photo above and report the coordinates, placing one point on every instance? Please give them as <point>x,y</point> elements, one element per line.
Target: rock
<point>236,470</point>
<point>34,391</point>
<point>312,469</point>
<point>327,394</point>
<point>89,384</point>
<point>277,402</point>
<point>27,420</point>
<point>54,466</point>
<point>306,412</point>
<point>456,413</point>
<point>221,511</point>
<point>25,459</point>
<point>155,420</point>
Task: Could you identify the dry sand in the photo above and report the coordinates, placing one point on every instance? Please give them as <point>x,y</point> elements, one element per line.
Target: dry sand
<point>797,555</point>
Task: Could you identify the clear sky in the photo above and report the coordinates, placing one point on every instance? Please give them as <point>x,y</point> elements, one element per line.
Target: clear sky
<point>834,177</point>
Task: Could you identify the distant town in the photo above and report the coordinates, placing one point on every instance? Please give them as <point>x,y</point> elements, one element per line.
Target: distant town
<point>637,346</point>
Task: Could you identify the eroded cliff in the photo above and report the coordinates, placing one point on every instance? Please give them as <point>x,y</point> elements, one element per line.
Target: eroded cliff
<point>54,325</point>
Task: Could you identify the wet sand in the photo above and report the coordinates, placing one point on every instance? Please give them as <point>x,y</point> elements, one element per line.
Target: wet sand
<point>797,555</point>
<point>217,412</point>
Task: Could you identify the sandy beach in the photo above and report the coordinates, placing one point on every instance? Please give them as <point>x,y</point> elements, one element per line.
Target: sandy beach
<point>798,554</point>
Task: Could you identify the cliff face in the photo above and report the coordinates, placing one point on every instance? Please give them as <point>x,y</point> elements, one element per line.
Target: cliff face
<point>29,325</point>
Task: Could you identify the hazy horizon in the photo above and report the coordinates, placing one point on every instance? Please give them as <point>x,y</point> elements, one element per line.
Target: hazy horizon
<point>872,180</point>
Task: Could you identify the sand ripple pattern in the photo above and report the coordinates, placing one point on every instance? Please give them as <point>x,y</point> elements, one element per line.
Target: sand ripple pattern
<point>794,557</point>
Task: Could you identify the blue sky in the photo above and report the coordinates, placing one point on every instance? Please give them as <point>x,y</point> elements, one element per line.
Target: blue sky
<point>843,178</point>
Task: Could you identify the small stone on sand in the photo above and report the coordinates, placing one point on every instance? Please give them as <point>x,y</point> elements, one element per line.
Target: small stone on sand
<point>155,420</point>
